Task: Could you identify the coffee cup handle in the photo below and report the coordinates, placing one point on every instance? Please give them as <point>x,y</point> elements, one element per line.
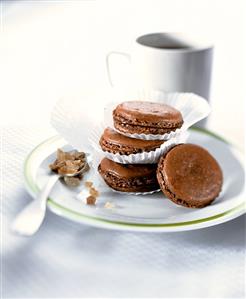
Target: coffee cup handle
<point>108,57</point>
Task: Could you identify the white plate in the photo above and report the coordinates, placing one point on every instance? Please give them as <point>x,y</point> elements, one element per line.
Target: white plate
<point>150,213</point>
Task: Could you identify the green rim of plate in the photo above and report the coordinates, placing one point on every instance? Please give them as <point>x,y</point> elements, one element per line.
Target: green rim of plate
<point>75,215</point>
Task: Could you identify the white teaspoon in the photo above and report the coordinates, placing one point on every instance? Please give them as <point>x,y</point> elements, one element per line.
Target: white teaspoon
<point>29,220</point>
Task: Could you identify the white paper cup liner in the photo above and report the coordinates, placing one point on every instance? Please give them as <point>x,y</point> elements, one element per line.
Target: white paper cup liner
<point>139,158</point>
<point>74,119</point>
<point>192,107</point>
<point>137,193</point>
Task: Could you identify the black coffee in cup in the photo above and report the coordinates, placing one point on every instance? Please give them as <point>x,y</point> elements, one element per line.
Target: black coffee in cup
<point>162,41</point>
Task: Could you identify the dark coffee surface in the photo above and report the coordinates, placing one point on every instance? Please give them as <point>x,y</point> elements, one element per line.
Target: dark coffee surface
<point>163,41</point>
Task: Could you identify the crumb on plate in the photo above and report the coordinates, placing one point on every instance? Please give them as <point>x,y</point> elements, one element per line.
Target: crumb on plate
<point>91,200</point>
<point>109,205</point>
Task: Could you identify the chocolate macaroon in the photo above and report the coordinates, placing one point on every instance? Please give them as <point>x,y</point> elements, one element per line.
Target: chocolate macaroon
<point>129,177</point>
<point>189,176</point>
<point>116,143</point>
<point>146,117</point>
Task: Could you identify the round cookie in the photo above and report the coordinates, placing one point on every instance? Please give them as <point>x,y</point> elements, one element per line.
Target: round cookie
<point>129,177</point>
<point>189,176</point>
<point>146,117</point>
<point>116,143</point>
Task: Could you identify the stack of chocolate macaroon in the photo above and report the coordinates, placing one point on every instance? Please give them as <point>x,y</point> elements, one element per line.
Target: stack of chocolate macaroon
<point>187,174</point>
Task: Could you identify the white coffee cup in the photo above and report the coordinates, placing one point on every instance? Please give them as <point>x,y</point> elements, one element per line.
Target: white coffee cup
<point>171,62</point>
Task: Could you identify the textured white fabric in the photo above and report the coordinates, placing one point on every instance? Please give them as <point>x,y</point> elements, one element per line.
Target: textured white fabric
<point>65,259</point>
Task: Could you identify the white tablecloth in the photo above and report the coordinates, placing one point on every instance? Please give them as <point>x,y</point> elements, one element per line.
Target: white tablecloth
<point>65,259</point>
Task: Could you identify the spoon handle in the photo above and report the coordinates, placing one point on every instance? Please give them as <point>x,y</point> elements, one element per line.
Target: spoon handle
<point>31,217</point>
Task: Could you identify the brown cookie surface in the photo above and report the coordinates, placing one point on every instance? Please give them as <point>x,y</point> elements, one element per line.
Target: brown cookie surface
<point>146,117</point>
<point>129,177</point>
<point>190,176</point>
<point>114,142</point>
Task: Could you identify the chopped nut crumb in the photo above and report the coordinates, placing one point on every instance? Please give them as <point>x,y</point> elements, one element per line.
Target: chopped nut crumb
<point>93,192</point>
<point>109,205</point>
<point>88,184</point>
<point>70,163</point>
<point>90,200</point>
<point>60,155</point>
<point>79,155</point>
